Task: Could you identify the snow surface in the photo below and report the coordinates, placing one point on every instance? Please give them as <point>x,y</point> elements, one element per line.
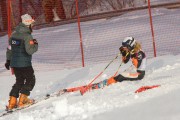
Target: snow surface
<point>118,101</point>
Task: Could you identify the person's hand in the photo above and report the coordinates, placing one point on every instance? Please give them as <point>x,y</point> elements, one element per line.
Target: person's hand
<point>35,41</point>
<point>7,64</point>
<point>123,50</point>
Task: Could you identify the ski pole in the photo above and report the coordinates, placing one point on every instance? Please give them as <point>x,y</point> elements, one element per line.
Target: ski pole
<point>107,67</point>
<point>128,68</point>
<point>102,70</point>
<point>120,66</point>
<point>86,86</point>
<point>118,69</point>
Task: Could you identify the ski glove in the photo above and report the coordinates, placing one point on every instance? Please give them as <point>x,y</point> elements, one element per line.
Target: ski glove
<point>123,51</point>
<point>35,41</point>
<point>125,54</point>
<point>7,64</point>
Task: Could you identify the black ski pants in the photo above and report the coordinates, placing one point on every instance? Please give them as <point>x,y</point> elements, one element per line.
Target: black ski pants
<point>121,78</point>
<point>25,81</point>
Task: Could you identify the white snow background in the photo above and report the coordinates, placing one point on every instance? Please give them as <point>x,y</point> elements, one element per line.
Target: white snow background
<point>115,102</point>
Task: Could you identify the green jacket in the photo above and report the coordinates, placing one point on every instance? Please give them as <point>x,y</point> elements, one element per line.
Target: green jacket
<point>21,47</point>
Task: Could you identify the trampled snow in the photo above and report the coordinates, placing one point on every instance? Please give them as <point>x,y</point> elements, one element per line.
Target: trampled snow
<point>112,102</point>
<point>117,101</point>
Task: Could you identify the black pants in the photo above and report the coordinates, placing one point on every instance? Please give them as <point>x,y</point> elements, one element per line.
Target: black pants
<point>25,81</point>
<point>121,78</point>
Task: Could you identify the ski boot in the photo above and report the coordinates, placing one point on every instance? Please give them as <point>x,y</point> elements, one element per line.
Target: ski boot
<point>24,101</point>
<point>12,103</point>
<point>111,81</point>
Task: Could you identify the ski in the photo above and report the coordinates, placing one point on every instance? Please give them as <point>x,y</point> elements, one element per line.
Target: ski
<point>92,86</point>
<point>56,94</point>
<point>144,88</point>
<point>15,109</point>
<point>98,85</point>
<point>85,88</point>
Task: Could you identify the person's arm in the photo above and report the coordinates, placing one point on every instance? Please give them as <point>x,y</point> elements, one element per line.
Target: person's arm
<point>31,45</point>
<point>137,58</point>
<point>8,56</point>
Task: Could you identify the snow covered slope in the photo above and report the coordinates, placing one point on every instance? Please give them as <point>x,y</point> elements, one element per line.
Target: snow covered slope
<point>117,101</point>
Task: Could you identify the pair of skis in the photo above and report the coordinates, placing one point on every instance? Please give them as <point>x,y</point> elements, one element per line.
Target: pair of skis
<point>59,93</point>
<point>56,94</point>
<point>82,89</point>
<point>104,82</point>
<point>74,89</point>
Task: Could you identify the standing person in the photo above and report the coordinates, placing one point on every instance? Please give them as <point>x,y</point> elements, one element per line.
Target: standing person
<point>131,49</point>
<point>19,56</point>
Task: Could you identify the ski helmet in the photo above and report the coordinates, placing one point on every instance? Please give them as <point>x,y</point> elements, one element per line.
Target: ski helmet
<point>129,42</point>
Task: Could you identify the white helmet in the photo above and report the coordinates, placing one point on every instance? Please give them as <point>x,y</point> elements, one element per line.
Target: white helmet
<point>129,42</point>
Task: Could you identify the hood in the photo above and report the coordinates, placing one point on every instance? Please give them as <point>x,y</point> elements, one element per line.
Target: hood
<point>22,28</point>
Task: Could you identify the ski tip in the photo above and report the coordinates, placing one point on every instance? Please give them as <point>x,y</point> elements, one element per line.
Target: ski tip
<point>47,95</point>
<point>65,90</point>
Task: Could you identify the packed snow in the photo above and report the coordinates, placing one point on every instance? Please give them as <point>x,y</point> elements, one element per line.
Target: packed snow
<point>117,101</point>
<point>112,102</point>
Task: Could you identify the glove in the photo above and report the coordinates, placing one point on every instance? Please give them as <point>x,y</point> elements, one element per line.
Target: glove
<point>35,41</point>
<point>7,64</point>
<point>122,51</point>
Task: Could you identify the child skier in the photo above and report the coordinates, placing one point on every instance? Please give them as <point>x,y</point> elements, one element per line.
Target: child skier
<point>131,49</point>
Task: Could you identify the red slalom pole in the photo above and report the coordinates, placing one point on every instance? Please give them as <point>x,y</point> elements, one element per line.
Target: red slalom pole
<point>80,34</point>
<point>9,18</point>
<point>152,29</point>
<point>83,90</point>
